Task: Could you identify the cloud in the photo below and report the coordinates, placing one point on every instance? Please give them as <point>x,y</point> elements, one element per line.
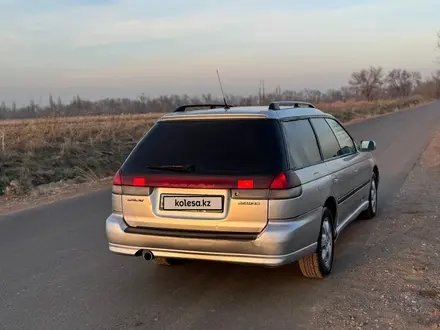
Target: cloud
<point>96,23</point>
<point>146,42</point>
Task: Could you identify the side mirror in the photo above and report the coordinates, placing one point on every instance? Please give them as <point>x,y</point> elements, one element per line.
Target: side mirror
<point>367,145</point>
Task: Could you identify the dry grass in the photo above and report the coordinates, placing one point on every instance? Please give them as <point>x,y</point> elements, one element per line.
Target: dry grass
<point>346,111</point>
<point>78,149</point>
<point>31,134</point>
<point>41,151</point>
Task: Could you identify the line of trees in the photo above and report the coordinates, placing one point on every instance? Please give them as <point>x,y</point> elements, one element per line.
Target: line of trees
<point>369,84</point>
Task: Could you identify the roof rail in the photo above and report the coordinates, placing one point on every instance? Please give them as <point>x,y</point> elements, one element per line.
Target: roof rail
<point>294,104</point>
<point>183,108</point>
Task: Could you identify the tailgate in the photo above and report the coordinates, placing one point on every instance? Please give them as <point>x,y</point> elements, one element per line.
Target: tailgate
<point>187,174</point>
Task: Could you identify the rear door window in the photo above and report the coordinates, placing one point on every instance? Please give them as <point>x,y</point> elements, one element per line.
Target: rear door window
<point>345,141</point>
<point>302,144</point>
<point>329,145</point>
<point>219,146</point>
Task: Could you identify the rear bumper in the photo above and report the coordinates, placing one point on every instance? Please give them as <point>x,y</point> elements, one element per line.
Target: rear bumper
<point>281,242</point>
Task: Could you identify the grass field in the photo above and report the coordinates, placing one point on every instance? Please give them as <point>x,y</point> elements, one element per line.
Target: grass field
<point>35,152</point>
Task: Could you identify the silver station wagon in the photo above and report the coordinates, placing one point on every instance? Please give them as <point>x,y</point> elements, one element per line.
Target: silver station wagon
<point>263,185</point>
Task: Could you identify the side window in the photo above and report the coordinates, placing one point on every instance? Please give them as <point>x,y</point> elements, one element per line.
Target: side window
<point>302,144</point>
<point>329,144</point>
<point>345,141</point>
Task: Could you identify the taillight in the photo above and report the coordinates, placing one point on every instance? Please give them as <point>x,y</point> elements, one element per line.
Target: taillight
<point>285,185</point>
<point>279,182</point>
<point>117,183</point>
<point>117,180</point>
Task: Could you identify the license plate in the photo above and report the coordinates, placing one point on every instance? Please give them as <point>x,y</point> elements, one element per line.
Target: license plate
<point>193,203</point>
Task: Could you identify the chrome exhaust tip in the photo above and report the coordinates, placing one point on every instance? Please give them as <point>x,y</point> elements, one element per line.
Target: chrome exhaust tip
<point>148,255</point>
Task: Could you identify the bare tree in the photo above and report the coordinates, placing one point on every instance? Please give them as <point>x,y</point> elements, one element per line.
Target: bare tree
<point>3,110</point>
<point>207,98</point>
<point>143,98</point>
<point>401,83</point>
<point>396,79</point>
<point>312,95</point>
<point>334,95</point>
<point>368,82</point>
<point>416,78</point>
<point>52,105</point>
<point>347,93</point>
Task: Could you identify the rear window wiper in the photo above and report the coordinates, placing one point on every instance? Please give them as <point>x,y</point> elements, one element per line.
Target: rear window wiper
<point>180,168</point>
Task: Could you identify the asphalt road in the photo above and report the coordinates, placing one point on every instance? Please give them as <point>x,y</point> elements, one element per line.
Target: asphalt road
<point>56,271</point>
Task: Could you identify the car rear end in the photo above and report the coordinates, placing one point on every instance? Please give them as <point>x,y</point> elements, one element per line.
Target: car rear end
<point>200,188</point>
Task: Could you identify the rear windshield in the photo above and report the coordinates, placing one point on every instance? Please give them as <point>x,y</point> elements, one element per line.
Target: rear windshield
<point>220,146</point>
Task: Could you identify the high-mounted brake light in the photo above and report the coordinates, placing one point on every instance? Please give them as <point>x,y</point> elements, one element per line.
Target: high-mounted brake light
<point>139,182</point>
<point>279,182</point>
<point>117,180</point>
<point>245,184</point>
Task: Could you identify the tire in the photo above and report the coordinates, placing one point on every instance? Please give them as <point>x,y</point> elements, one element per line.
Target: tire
<point>162,261</point>
<point>371,212</point>
<point>318,266</point>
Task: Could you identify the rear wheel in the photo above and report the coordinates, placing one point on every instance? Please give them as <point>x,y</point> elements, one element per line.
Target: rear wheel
<point>319,265</point>
<point>370,213</point>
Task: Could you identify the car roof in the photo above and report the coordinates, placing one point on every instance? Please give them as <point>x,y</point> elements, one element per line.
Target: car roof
<point>275,110</point>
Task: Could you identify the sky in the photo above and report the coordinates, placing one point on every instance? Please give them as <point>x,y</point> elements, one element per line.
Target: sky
<point>122,48</point>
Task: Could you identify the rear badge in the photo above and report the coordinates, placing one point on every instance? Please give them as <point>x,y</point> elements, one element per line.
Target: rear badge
<point>140,200</point>
<point>249,203</point>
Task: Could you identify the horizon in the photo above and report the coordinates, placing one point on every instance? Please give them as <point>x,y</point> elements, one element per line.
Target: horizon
<point>123,48</point>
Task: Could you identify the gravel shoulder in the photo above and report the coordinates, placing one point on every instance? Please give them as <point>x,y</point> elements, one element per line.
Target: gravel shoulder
<point>396,283</point>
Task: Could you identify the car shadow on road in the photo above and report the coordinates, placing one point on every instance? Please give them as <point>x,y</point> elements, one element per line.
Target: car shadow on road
<point>219,286</point>
<point>200,287</point>
<point>191,274</point>
<point>350,248</point>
